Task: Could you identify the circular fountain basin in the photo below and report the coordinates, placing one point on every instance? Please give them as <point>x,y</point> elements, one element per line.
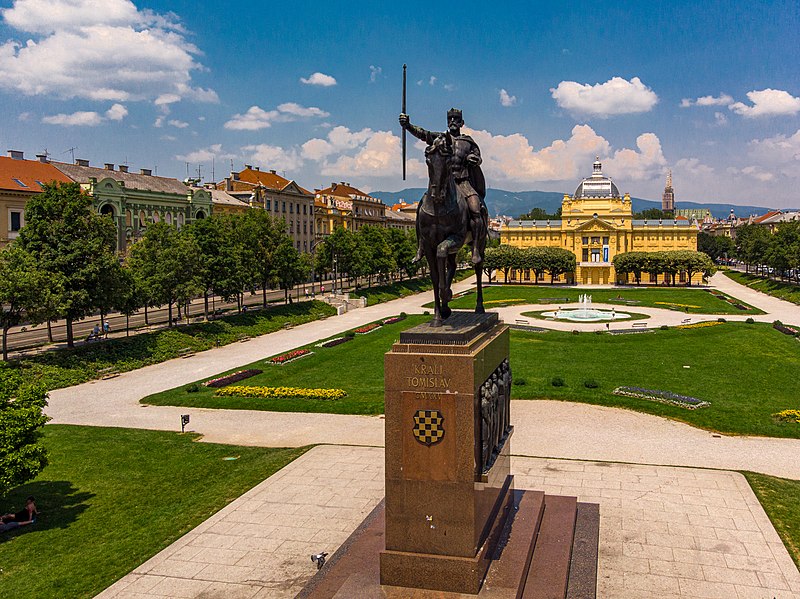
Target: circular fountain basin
<point>585,315</point>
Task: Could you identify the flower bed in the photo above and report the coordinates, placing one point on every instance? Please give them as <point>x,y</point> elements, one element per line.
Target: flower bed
<point>683,401</point>
<point>788,416</point>
<point>505,301</point>
<point>675,305</point>
<point>393,320</point>
<point>699,325</point>
<point>234,377</point>
<point>368,328</point>
<point>784,329</point>
<point>335,342</point>
<point>281,392</point>
<point>289,356</point>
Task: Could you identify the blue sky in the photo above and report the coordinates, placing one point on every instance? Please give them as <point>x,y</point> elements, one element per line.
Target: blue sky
<point>313,89</point>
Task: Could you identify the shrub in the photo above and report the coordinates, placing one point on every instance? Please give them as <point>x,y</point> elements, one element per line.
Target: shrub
<point>519,382</point>
<point>750,321</point>
<point>591,384</point>
<point>193,388</point>
<point>557,381</point>
<point>664,327</point>
<point>231,378</point>
<point>788,416</point>
<point>350,334</point>
<point>576,332</point>
<point>721,320</point>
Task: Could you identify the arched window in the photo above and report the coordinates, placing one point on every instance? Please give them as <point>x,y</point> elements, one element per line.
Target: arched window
<point>180,219</point>
<point>128,218</point>
<point>156,216</point>
<point>142,218</point>
<point>168,218</point>
<point>107,210</point>
<point>200,215</point>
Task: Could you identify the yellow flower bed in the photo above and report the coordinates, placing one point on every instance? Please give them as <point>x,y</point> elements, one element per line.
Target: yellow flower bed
<point>281,392</point>
<point>699,325</point>
<point>504,301</point>
<point>678,305</point>
<point>788,416</point>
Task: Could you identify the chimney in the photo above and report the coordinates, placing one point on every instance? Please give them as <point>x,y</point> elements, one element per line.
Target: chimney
<point>123,168</point>
<point>16,155</point>
<point>42,158</point>
<point>234,176</point>
<point>248,167</point>
<point>272,170</point>
<point>109,166</point>
<point>333,186</point>
<point>258,168</point>
<point>81,162</point>
<point>145,171</point>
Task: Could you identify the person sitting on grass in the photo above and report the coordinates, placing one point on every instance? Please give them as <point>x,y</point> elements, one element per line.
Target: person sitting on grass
<point>24,517</point>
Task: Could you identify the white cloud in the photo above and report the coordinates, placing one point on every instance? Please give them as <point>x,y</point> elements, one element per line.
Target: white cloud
<point>767,102</point>
<point>212,152</point>
<point>76,119</point>
<point>693,166</point>
<point>25,116</point>
<point>374,73</point>
<point>301,111</point>
<point>758,173</point>
<point>178,124</point>
<point>432,80</point>
<point>721,100</point>
<point>98,50</point>
<point>647,162</point>
<point>506,99</point>
<point>615,96</point>
<point>448,87</point>
<point>720,118</point>
<point>780,153</point>
<point>116,113</point>
<point>320,79</point>
<point>168,138</point>
<point>257,118</point>
<point>276,157</point>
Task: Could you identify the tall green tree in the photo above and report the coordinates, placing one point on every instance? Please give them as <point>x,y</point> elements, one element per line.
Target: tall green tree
<point>377,251</point>
<point>217,265</point>
<point>22,454</point>
<point>289,266</point>
<point>257,235</point>
<point>66,237</point>
<point>26,291</point>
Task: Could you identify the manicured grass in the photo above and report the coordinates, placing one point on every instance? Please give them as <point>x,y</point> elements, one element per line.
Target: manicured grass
<point>633,316</point>
<point>355,366</point>
<point>393,291</point>
<point>682,299</point>
<point>111,498</point>
<point>784,291</point>
<point>747,372</point>
<point>63,368</point>
<point>780,498</point>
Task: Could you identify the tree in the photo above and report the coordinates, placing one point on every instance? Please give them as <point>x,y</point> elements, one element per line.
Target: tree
<point>257,236</point>
<point>217,262</point>
<point>503,257</point>
<point>652,214</point>
<point>403,246</point>
<point>377,251</point>
<point>22,454</point>
<point>559,261</point>
<point>25,290</point>
<point>67,238</point>
<point>289,266</point>
<point>165,261</point>
<point>752,243</point>
<point>715,246</point>
<point>537,213</point>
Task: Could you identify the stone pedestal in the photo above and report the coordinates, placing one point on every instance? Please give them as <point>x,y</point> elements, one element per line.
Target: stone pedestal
<point>448,475</point>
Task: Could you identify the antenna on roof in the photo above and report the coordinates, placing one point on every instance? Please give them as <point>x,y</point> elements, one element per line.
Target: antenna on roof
<point>199,172</point>
<point>72,152</point>
<point>45,153</point>
<point>231,164</point>
<point>213,178</point>
<point>187,170</point>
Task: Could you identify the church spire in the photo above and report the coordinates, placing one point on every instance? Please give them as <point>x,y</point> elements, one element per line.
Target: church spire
<point>668,199</point>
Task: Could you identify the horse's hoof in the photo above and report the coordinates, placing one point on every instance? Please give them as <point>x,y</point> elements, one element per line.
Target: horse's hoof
<point>445,312</point>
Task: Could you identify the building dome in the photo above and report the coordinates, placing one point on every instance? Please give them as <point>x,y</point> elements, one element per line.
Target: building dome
<point>597,186</point>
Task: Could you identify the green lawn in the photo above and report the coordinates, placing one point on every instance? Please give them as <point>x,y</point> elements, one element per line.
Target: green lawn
<point>386,293</point>
<point>784,291</point>
<point>355,366</point>
<point>781,500</point>
<point>746,371</point>
<point>682,299</point>
<point>112,498</point>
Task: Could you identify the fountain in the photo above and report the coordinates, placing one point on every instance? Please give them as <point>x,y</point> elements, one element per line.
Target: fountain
<point>585,313</point>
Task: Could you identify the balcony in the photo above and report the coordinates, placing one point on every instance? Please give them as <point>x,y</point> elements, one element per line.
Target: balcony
<point>594,264</point>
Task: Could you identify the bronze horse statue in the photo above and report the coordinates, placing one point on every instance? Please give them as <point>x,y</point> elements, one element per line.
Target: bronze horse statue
<point>443,227</point>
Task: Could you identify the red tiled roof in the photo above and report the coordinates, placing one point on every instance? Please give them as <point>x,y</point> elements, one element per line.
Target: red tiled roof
<point>764,217</point>
<point>267,179</point>
<point>342,190</point>
<point>30,173</point>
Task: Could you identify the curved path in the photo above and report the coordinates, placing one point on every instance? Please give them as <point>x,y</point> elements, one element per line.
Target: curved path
<point>543,428</point>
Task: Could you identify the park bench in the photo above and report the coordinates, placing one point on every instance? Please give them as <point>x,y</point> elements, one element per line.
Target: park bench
<point>186,352</point>
<point>243,338</point>
<point>108,373</point>
<point>521,321</point>
<point>686,321</point>
<point>638,325</point>
<point>553,300</point>
<point>288,325</point>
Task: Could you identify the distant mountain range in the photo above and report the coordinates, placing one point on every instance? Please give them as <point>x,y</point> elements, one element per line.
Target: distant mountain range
<point>515,203</point>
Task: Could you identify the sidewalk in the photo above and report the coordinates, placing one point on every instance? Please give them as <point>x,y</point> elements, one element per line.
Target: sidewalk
<point>664,532</point>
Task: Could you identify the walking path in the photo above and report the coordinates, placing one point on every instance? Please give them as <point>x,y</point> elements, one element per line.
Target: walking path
<point>665,532</point>
<point>544,428</point>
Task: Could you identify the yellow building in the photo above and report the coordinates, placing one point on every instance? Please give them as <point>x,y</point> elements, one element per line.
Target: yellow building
<point>597,224</point>
<point>342,205</point>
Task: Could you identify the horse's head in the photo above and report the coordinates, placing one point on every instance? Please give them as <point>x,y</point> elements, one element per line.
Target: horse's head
<point>437,155</point>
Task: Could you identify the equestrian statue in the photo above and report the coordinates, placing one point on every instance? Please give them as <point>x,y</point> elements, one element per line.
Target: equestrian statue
<point>452,211</point>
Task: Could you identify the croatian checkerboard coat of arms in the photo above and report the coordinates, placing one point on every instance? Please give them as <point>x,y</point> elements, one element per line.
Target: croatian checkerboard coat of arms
<point>428,427</point>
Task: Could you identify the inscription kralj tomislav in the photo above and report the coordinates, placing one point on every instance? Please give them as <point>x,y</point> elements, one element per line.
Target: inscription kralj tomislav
<point>452,212</point>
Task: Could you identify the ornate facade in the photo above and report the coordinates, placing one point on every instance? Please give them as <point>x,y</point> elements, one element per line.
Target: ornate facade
<point>343,205</point>
<point>597,224</point>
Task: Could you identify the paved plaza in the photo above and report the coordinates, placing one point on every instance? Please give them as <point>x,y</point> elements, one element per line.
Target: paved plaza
<point>673,523</point>
<point>664,532</point>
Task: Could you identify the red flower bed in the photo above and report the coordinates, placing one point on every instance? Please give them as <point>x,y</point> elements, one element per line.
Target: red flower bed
<point>393,319</point>
<point>288,356</point>
<point>366,328</point>
<point>233,377</point>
